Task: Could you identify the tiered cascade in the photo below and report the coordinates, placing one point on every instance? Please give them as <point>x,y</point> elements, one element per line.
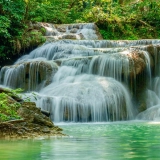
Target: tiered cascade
<point>88,79</point>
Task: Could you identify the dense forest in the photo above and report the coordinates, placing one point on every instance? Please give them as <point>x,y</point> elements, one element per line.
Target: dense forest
<point>116,19</point>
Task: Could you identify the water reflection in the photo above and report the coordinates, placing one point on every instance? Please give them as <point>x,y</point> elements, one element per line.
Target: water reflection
<point>109,141</point>
<point>20,150</point>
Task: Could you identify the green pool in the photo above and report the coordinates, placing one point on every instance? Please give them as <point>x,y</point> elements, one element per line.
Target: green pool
<point>103,141</point>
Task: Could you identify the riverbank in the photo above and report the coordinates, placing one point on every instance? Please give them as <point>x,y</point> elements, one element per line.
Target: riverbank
<point>25,120</point>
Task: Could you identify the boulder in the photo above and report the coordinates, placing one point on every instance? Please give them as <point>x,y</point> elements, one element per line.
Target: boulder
<point>69,36</point>
<point>30,113</point>
<point>137,62</point>
<point>31,125</point>
<point>73,30</point>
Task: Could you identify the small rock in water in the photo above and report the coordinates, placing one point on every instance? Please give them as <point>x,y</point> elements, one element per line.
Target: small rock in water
<point>20,133</point>
<point>74,30</point>
<point>46,130</point>
<point>36,129</point>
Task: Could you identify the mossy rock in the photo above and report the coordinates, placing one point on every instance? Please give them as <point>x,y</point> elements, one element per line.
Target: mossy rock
<point>8,106</point>
<point>32,39</point>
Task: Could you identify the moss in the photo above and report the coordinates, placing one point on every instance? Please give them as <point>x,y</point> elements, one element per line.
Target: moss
<point>32,39</point>
<point>8,108</point>
<point>43,30</point>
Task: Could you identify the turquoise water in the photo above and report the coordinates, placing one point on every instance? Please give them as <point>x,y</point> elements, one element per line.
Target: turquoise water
<point>88,141</point>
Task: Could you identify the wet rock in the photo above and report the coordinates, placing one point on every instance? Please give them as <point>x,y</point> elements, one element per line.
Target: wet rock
<point>47,113</point>
<point>45,130</point>
<point>35,25</point>
<point>81,36</point>
<point>69,36</point>
<point>137,63</point>
<point>61,29</point>
<point>26,129</point>
<point>58,129</point>
<point>25,137</point>
<point>152,49</point>
<point>36,129</point>
<point>98,32</point>
<point>71,26</point>
<point>25,76</point>
<point>73,30</point>
<point>20,133</point>
<point>77,29</point>
<point>42,120</point>
<point>33,124</point>
<point>32,114</point>
<point>152,113</point>
<point>26,114</point>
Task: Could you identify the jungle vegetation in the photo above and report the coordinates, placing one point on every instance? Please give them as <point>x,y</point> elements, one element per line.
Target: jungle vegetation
<point>116,19</point>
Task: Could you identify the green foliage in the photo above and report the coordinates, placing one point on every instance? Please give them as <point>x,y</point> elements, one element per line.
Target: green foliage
<point>124,19</point>
<point>11,25</point>
<point>32,39</point>
<point>14,28</point>
<point>29,98</point>
<point>43,31</point>
<point>4,26</point>
<point>117,19</point>
<point>15,92</point>
<point>8,108</point>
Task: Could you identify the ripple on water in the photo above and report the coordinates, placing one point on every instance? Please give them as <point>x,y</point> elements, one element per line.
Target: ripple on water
<point>108,141</point>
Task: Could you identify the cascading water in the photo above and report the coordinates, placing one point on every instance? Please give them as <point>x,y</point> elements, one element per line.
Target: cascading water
<point>32,75</point>
<point>71,31</point>
<point>86,80</point>
<point>85,98</point>
<point>153,92</point>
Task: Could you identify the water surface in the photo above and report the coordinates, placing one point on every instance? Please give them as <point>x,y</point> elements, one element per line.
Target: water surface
<point>110,141</point>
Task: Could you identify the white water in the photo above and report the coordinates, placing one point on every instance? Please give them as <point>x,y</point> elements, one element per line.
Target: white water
<point>153,93</point>
<point>86,98</point>
<point>73,31</point>
<point>31,75</point>
<point>85,80</point>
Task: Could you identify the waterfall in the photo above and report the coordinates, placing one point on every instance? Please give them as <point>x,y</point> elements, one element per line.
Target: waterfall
<point>153,92</point>
<point>89,79</point>
<point>31,75</point>
<point>71,31</point>
<point>86,98</point>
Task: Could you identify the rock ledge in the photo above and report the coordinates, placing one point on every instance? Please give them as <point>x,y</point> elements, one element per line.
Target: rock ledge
<point>33,124</point>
